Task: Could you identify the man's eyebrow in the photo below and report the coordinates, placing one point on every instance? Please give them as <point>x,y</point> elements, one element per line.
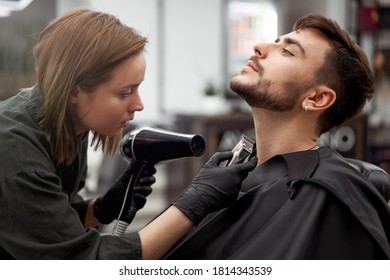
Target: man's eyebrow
<point>293,41</point>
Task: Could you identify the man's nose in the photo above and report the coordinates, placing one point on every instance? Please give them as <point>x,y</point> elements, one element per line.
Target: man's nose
<point>261,50</point>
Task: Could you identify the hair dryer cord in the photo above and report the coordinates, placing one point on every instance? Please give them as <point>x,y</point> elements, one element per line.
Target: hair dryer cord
<point>128,211</point>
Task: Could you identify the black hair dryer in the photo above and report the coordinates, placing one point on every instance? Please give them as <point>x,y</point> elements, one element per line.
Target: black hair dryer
<point>152,145</point>
<point>147,146</point>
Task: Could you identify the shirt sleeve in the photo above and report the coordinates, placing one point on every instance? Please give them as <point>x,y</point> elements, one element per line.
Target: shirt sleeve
<point>38,222</point>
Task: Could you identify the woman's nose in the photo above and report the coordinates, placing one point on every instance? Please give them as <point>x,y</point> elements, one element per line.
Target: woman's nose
<point>137,104</point>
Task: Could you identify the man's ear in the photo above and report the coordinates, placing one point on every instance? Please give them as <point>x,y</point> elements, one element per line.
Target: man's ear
<point>319,100</point>
<point>74,96</point>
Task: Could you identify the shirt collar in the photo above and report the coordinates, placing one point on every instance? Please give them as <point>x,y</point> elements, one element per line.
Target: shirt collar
<point>297,166</point>
<point>301,165</point>
<point>34,102</point>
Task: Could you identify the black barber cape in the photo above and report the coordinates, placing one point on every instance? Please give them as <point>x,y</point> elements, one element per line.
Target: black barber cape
<point>303,205</point>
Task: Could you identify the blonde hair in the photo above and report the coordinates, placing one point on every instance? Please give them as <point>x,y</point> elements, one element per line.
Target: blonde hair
<point>80,48</point>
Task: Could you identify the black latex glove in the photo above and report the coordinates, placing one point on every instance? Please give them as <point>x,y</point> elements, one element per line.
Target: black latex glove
<point>108,206</point>
<point>213,188</point>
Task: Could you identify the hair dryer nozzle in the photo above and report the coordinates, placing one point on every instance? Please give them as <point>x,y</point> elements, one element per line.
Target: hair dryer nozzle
<point>154,145</point>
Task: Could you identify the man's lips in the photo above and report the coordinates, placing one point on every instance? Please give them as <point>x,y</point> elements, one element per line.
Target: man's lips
<point>250,64</point>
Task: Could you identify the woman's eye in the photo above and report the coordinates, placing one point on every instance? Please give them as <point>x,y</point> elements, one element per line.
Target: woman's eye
<point>127,93</point>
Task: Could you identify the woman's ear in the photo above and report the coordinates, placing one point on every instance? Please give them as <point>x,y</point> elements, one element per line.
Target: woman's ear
<point>319,100</point>
<point>74,96</point>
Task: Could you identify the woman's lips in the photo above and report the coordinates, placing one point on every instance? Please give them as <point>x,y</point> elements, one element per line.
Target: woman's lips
<point>126,123</point>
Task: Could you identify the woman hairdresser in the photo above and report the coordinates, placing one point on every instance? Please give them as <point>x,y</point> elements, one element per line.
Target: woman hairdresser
<point>89,69</point>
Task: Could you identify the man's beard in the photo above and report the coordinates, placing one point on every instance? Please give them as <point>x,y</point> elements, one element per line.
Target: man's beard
<point>283,97</point>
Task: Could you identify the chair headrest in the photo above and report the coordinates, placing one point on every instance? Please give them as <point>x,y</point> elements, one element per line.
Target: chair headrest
<point>376,175</point>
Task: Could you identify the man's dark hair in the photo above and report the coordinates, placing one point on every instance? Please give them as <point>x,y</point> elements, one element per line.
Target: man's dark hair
<point>345,69</point>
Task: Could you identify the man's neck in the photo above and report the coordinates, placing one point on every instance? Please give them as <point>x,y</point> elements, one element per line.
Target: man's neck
<point>278,134</point>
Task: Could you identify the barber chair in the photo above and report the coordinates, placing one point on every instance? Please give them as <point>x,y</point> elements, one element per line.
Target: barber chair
<point>376,175</point>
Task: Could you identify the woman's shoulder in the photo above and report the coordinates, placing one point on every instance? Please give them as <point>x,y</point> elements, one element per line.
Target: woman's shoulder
<point>23,143</point>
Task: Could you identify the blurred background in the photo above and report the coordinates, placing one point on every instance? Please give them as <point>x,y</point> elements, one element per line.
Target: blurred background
<point>195,47</point>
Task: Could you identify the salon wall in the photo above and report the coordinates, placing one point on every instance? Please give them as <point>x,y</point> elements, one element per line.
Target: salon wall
<point>184,51</point>
<point>18,32</point>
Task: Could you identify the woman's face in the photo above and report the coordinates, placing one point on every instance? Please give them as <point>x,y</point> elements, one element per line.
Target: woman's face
<point>109,108</point>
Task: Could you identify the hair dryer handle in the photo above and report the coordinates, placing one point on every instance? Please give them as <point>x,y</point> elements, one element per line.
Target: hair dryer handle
<point>129,210</point>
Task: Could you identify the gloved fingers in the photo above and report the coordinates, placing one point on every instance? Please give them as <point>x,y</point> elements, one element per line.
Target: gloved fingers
<point>244,168</point>
<point>219,157</point>
<point>139,201</point>
<point>249,165</point>
<point>148,171</point>
<point>147,181</point>
<point>142,190</point>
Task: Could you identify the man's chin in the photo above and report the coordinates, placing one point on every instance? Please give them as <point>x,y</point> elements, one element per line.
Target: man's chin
<point>239,84</point>
<point>235,83</point>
